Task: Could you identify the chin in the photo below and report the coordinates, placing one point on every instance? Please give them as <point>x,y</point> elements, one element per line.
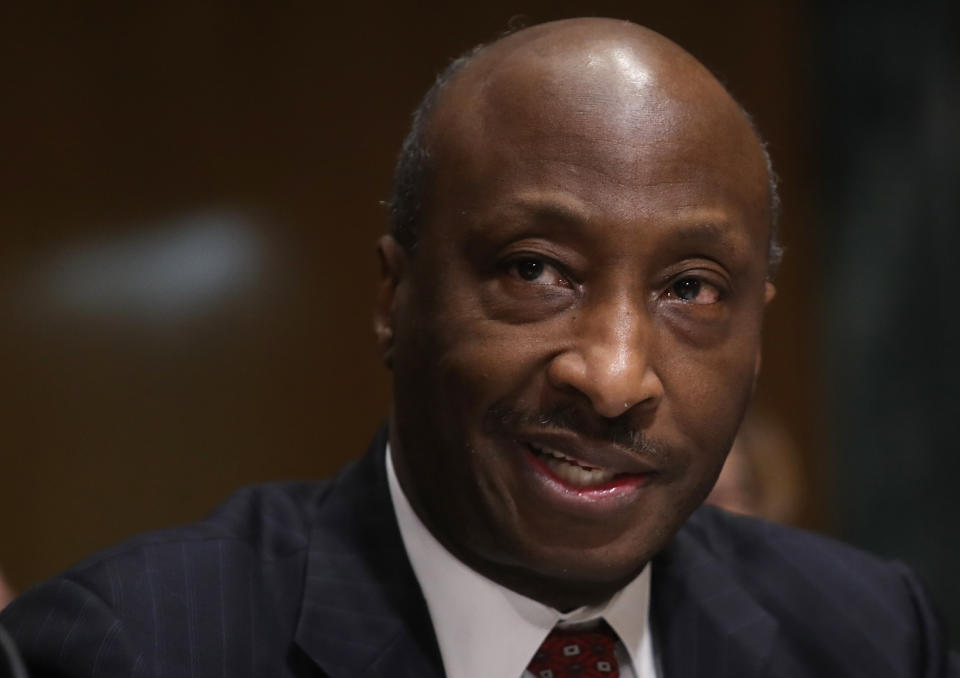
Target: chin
<point>569,560</point>
<point>567,577</point>
<point>596,568</point>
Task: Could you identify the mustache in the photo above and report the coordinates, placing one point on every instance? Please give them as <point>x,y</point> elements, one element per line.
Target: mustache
<point>621,431</point>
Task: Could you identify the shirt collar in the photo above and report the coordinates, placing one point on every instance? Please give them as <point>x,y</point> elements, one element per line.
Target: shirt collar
<point>485,629</point>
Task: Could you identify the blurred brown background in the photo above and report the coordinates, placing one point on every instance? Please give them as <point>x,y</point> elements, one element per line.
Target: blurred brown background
<point>189,197</point>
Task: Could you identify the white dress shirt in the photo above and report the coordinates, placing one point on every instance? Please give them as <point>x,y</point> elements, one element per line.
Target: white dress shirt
<point>486,630</point>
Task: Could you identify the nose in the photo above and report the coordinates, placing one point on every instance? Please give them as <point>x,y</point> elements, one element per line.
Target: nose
<point>609,360</point>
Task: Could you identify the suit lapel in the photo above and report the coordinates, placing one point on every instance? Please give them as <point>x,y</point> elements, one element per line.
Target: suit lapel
<point>704,622</point>
<point>363,612</point>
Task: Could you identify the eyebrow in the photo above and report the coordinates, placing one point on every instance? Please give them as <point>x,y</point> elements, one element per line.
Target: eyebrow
<point>704,231</point>
<point>710,239</point>
<point>531,211</point>
<point>554,207</point>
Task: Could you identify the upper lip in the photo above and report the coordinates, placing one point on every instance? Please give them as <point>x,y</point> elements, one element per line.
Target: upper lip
<point>594,453</point>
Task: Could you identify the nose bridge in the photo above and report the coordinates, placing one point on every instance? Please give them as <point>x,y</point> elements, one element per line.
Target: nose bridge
<point>614,344</point>
<point>614,339</point>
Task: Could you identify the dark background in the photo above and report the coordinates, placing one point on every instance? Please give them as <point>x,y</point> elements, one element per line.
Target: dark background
<point>190,194</point>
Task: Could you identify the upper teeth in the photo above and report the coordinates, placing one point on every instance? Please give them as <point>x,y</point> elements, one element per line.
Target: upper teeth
<point>563,457</point>
<point>572,470</point>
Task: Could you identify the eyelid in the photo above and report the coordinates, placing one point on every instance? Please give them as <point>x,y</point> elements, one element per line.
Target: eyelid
<point>706,270</point>
<point>563,271</point>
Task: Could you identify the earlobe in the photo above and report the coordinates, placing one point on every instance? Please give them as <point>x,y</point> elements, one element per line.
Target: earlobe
<point>769,292</point>
<point>393,260</point>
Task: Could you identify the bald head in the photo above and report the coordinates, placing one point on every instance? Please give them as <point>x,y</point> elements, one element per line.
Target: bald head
<point>610,79</point>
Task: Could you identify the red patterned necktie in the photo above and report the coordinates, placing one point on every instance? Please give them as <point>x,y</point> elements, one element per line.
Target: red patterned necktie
<point>577,653</point>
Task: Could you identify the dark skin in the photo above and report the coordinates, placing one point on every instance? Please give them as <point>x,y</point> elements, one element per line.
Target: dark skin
<point>590,278</point>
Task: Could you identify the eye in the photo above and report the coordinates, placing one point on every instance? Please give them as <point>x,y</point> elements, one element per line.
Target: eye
<point>530,269</point>
<point>537,271</point>
<point>694,291</point>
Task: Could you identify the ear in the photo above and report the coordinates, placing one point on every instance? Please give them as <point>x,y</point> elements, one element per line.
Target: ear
<point>393,265</point>
<point>769,292</point>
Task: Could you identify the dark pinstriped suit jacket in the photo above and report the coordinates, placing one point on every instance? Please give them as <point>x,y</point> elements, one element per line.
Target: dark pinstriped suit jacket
<point>313,580</point>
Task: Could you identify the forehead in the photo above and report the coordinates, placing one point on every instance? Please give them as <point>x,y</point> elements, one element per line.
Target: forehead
<point>617,129</point>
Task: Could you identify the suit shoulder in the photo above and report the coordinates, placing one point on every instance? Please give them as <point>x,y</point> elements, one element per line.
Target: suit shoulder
<point>837,610</point>
<point>269,521</point>
<point>255,535</point>
<point>743,542</point>
<point>826,594</point>
<point>238,574</point>
<point>820,589</point>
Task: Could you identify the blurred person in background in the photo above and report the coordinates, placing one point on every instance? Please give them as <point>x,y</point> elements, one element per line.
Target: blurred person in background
<point>762,475</point>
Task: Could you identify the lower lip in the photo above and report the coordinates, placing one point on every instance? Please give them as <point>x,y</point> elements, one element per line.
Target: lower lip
<point>619,489</point>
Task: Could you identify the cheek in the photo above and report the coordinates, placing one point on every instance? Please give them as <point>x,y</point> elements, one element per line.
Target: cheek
<point>707,391</point>
<point>486,363</point>
<point>475,356</point>
<point>458,362</point>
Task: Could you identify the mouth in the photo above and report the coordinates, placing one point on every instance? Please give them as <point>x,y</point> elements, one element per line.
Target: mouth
<point>598,476</point>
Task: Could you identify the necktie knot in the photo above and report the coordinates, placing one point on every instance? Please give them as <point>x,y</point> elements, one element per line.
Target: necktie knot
<point>577,653</point>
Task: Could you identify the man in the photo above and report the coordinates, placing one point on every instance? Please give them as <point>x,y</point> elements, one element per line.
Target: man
<point>571,305</point>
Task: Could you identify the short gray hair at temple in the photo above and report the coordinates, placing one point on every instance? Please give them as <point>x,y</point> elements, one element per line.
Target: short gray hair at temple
<point>411,177</point>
